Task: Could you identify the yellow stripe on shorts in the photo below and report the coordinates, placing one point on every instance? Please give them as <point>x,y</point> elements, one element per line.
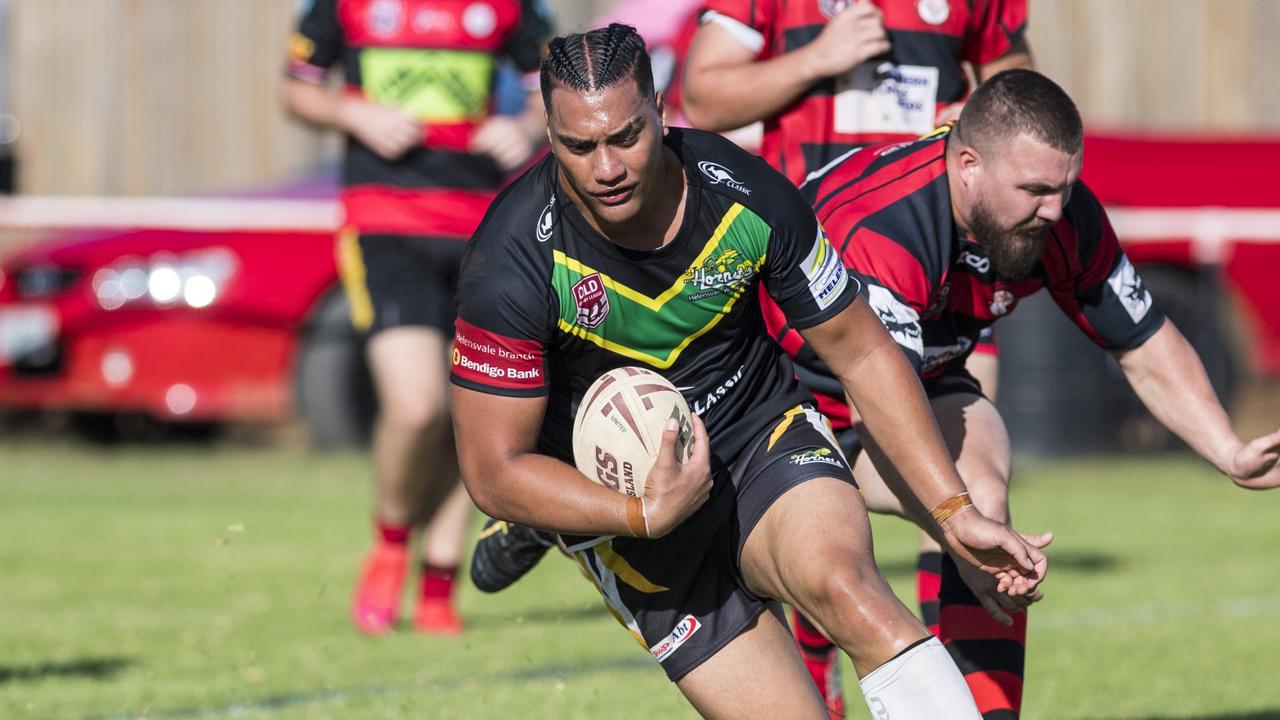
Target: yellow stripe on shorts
<point>782,426</point>
<point>351,271</point>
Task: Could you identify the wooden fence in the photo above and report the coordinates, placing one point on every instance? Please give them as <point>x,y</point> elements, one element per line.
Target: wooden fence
<point>181,96</point>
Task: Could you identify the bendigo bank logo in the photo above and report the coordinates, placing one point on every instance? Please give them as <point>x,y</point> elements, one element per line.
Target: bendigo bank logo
<point>591,299</point>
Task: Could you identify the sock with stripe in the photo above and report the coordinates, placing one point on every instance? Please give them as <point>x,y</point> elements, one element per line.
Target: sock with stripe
<point>928,580</point>
<point>437,582</point>
<point>990,656</point>
<point>391,534</point>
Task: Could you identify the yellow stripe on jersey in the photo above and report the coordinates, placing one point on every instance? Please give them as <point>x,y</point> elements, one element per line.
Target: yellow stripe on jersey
<point>352,272</point>
<point>782,426</point>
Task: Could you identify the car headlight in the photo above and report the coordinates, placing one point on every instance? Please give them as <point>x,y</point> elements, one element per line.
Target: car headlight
<point>195,279</point>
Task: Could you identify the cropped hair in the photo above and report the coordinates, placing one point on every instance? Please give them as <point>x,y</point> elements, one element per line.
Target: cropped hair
<point>595,60</point>
<point>1020,101</point>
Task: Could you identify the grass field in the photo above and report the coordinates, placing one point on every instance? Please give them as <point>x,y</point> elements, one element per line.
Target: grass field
<point>211,582</point>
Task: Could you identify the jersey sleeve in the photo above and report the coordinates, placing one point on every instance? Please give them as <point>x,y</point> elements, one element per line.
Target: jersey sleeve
<point>747,21</point>
<point>525,44</point>
<point>503,323</point>
<point>897,287</point>
<point>317,42</point>
<point>996,28</point>
<point>803,272</point>
<point>1094,283</point>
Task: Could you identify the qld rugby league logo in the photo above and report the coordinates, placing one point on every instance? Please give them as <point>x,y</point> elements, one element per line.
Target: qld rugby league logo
<point>591,299</point>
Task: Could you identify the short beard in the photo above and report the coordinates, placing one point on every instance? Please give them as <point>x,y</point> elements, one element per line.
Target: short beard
<point>1013,252</point>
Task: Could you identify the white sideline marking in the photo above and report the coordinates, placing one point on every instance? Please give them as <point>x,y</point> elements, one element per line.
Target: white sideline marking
<point>47,212</point>
<point>1149,614</point>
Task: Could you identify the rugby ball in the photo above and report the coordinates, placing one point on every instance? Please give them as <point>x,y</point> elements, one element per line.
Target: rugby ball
<point>618,429</point>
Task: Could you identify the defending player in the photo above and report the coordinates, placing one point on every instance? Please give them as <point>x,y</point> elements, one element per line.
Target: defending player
<point>635,244</point>
<point>948,234</point>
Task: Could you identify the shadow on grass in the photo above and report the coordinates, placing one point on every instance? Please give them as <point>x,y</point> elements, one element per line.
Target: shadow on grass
<point>92,668</point>
<point>1084,563</point>
<point>553,671</point>
<point>540,616</point>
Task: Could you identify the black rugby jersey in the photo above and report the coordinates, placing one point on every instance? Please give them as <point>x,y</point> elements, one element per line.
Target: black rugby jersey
<point>546,304</point>
<point>887,209</point>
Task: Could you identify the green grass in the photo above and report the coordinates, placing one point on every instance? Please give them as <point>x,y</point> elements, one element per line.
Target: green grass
<point>201,583</point>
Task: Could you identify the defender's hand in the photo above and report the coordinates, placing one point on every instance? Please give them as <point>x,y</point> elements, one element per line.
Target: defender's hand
<point>1014,559</point>
<point>1254,465</point>
<point>999,604</point>
<point>674,490</point>
<point>852,37</point>
<point>388,131</point>
<point>502,139</point>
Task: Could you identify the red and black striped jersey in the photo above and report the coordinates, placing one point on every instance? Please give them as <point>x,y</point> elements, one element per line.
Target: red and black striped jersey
<point>893,97</point>
<point>436,60</point>
<point>887,210</point>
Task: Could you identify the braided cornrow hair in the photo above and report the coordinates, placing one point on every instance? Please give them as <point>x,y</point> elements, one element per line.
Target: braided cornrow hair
<point>597,59</point>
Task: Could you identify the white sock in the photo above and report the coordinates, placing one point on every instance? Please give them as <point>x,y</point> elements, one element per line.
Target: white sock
<point>922,682</point>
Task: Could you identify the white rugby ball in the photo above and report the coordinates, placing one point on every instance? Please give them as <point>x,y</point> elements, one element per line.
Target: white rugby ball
<point>618,429</point>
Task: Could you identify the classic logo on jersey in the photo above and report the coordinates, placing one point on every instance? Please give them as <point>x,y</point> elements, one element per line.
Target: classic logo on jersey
<point>977,262</point>
<point>1002,303</point>
<point>384,17</point>
<point>547,220</point>
<point>832,8</point>
<point>1127,286</point>
<point>817,455</point>
<point>591,299</point>
<point>679,636</point>
<point>479,20</point>
<point>902,321</point>
<point>703,404</point>
<point>720,174</point>
<point>725,273</point>
<point>938,355</point>
<point>934,12</point>
<point>826,273</point>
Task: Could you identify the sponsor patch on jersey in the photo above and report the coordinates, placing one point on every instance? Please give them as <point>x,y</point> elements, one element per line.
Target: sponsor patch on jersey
<point>703,403</point>
<point>679,636</point>
<point>592,300</point>
<point>902,321</point>
<point>479,20</point>
<point>884,97</point>
<point>826,273</point>
<point>938,355</point>
<point>547,220</point>
<point>721,175</point>
<point>934,12</point>
<point>823,455</point>
<point>488,358</point>
<point>1127,286</point>
<point>384,17</point>
<point>725,273</point>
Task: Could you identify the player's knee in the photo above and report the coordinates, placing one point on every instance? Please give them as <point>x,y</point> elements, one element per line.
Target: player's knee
<point>842,587</point>
<point>418,416</point>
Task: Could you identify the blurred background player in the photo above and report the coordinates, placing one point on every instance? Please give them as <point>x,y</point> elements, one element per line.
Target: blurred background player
<point>826,76</point>
<point>948,234</point>
<point>424,158</point>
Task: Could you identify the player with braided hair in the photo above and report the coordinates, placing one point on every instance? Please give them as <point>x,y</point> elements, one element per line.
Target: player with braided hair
<point>606,254</point>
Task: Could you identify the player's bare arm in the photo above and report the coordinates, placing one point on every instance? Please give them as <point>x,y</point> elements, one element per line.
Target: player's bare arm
<point>508,479</point>
<point>388,131</point>
<point>511,140</point>
<point>725,87</point>
<point>1168,376</point>
<point>888,396</point>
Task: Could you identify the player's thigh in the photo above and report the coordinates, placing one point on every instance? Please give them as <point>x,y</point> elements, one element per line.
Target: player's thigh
<point>810,533</point>
<point>409,367</point>
<point>758,674</point>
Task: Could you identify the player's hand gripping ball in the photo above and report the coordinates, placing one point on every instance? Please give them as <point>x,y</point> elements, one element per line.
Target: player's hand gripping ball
<point>618,429</point>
